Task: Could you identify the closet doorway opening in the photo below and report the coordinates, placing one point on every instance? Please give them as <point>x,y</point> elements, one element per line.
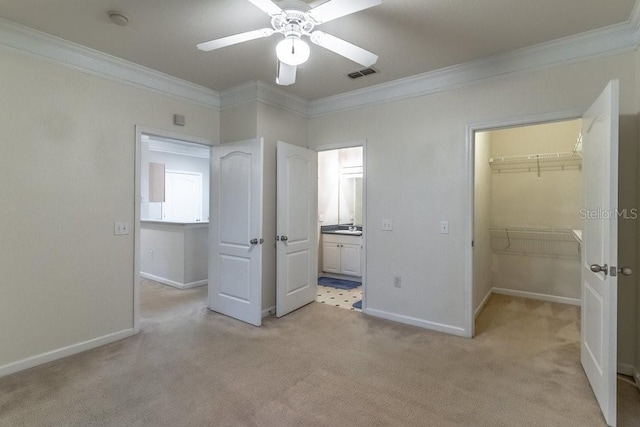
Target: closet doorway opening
<point>341,223</point>
<point>172,225</point>
<point>527,233</point>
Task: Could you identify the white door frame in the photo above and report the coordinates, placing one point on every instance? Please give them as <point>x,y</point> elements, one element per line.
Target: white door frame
<point>140,130</point>
<point>349,144</point>
<point>471,130</point>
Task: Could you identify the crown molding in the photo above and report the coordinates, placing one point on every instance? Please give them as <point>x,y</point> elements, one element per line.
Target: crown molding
<point>259,91</point>
<point>594,44</point>
<point>42,45</point>
<point>634,22</point>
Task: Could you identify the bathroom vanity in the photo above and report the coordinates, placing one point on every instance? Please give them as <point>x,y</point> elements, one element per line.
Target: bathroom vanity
<point>341,250</point>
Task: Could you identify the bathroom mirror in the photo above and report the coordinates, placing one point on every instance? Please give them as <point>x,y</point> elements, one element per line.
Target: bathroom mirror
<point>350,205</point>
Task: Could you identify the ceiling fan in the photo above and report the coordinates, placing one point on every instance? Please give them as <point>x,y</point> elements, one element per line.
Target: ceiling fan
<point>295,19</point>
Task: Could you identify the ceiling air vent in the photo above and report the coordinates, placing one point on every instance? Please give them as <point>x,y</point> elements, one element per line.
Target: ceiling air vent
<point>362,73</point>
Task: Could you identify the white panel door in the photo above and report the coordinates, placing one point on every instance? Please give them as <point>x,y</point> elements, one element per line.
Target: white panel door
<point>297,254</point>
<point>235,264</point>
<point>183,201</point>
<point>599,250</point>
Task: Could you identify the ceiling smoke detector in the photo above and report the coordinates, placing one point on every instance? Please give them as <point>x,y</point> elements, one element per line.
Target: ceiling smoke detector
<point>118,18</point>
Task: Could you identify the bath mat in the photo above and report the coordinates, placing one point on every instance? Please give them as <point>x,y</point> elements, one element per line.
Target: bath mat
<point>338,283</point>
<point>357,305</point>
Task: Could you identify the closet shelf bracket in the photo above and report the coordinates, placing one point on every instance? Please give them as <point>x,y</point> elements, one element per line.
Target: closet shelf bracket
<point>536,162</point>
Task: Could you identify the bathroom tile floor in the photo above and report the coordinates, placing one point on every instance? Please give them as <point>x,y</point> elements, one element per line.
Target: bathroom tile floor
<point>343,298</point>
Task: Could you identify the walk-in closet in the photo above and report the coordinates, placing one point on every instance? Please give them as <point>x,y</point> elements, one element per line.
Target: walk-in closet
<point>527,219</point>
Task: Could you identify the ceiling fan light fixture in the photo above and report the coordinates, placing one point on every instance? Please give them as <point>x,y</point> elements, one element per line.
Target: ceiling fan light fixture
<point>292,50</point>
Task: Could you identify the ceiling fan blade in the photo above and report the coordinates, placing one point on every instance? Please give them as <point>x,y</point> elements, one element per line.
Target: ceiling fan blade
<point>234,39</point>
<point>344,48</point>
<point>334,9</point>
<point>267,6</point>
<point>286,74</point>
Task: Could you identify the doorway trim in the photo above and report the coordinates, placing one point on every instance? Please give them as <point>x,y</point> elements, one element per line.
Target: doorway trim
<point>140,130</point>
<point>350,144</point>
<point>471,129</point>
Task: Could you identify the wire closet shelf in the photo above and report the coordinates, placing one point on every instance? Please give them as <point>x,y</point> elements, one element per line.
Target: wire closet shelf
<point>536,162</point>
<point>552,242</point>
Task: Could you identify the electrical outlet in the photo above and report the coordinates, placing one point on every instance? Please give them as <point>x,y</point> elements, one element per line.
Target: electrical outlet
<point>121,228</point>
<point>152,254</point>
<point>387,225</point>
<point>321,217</point>
<point>397,282</point>
<point>444,227</point>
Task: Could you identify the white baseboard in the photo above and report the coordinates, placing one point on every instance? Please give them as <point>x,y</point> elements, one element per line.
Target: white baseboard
<point>50,356</point>
<point>195,284</point>
<point>483,303</point>
<point>626,369</point>
<point>453,330</point>
<point>268,311</point>
<point>533,295</point>
<point>173,283</point>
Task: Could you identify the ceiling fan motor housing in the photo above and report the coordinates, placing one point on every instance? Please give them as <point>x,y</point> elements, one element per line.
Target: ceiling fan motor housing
<point>293,21</point>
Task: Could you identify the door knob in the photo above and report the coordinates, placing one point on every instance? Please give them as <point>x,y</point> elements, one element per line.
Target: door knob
<point>254,241</point>
<point>599,268</point>
<point>625,271</point>
<point>284,238</point>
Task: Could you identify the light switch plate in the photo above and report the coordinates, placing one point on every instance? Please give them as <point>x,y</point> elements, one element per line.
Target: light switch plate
<point>121,228</point>
<point>387,224</point>
<point>444,227</point>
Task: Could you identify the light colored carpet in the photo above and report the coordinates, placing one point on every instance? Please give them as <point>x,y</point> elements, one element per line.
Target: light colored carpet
<point>317,366</point>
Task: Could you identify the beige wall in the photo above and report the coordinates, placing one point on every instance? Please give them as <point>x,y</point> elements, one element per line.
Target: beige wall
<point>526,199</point>
<point>482,283</point>
<point>417,175</point>
<point>239,123</point>
<point>67,162</point>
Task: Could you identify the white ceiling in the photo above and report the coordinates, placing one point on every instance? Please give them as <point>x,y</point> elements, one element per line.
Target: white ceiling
<point>410,36</point>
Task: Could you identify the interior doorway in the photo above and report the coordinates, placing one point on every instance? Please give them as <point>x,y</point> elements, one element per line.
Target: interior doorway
<point>172,223</point>
<point>598,245</point>
<point>527,235</point>
<point>341,223</point>
<point>527,223</point>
